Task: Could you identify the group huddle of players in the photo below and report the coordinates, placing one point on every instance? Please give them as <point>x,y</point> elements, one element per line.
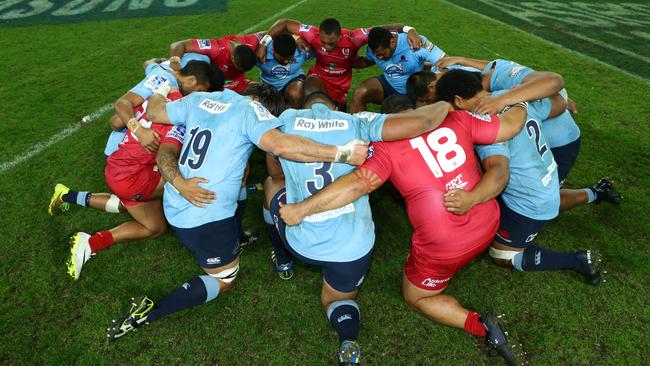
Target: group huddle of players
<point>178,156</point>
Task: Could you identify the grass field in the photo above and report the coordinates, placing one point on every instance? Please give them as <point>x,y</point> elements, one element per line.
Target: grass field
<point>55,74</point>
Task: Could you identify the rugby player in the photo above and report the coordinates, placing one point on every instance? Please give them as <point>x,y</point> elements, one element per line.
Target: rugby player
<point>338,241</point>
<point>232,54</point>
<point>221,131</point>
<point>393,55</point>
<point>336,51</point>
<point>132,175</point>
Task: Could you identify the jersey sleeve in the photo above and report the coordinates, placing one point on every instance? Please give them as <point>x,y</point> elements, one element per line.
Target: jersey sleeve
<point>308,32</point>
<point>258,121</point>
<point>153,80</point>
<point>359,36</point>
<point>485,151</point>
<point>370,125</point>
<point>178,111</point>
<point>252,40</point>
<point>540,109</point>
<point>204,46</point>
<point>174,136</point>
<point>483,127</point>
<point>379,161</point>
<point>429,51</point>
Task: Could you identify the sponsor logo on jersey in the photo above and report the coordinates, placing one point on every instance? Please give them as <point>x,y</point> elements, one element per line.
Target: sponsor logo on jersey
<point>370,116</point>
<point>349,208</point>
<point>482,117</point>
<point>215,260</point>
<point>214,107</point>
<point>262,113</point>
<point>515,71</point>
<point>319,125</point>
<point>456,183</point>
<point>204,44</point>
<point>155,81</point>
<point>177,133</point>
<point>304,28</point>
<point>365,31</point>
<point>280,71</point>
<point>371,151</point>
<point>394,70</point>
<point>427,45</point>
<point>432,282</point>
<point>344,317</point>
<point>346,52</point>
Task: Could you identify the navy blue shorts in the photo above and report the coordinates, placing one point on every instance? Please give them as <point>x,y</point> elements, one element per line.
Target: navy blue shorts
<point>565,156</point>
<point>214,244</point>
<point>388,89</point>
<point>515,230</point>
<point>342,276</point>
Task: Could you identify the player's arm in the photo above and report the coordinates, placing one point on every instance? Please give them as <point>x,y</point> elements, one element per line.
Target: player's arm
<point>512,121</point>
<point>406,125</point>
<point>156,106</point>
<point>536,85</point>
<point>290,26</point>
<point>342,191</point>
<point>167,161</point>
<point>273,167</point>
<point>362,62</point>
<point>447,61</point>
<point>558,106</point>
<point>181,47</point>
<point>298,148</point>
<point>493,181</point>
<point>124,109</point>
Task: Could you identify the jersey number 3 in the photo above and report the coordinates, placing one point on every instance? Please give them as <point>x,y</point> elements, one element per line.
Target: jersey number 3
<point>442,142</point>
<point>199,144</point>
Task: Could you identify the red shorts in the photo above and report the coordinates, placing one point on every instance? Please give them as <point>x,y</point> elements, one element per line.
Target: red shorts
<point>334,89</point>
<point>134,188</point>
<point>238,85</point>
<point>435,274</point>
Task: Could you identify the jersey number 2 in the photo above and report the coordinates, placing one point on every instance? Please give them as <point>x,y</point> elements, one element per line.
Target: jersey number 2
<point>532,128</point>
<point>441,162</point>
<point>199,144</point>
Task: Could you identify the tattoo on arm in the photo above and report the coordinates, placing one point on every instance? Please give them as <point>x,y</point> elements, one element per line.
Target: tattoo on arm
<point>168,164</point>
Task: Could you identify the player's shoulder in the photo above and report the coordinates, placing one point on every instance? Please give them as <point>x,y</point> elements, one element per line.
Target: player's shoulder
<point>307,28</point>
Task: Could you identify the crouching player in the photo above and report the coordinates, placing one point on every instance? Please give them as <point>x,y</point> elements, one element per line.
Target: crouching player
<point>423,169</point>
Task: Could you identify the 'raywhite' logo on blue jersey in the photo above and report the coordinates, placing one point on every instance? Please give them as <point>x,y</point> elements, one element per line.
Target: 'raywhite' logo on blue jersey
<point>394,70</point>
<point>214,107</point>
<point>204,44</point>
<point>319,125</point>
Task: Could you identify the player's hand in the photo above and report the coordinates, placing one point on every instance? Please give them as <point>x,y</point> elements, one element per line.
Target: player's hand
<point>175,63</point>
<point>414,39</point>
<point>302,45</point>
<point>261,53</point>
<point>354,152</point>
<point>148,138</point>
<point>571,106</point>
<point>459,201</point>
<point>447,61</point>
<point>191,191</point>
<point>291,214</point>
<point>489,105</point>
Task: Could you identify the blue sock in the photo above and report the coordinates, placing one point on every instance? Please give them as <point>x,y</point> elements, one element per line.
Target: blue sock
<point>80,198</point>
<point>536,258</point>
<point>516,261</point>
<point>281,253</point>
<point>591,194</point>
<point>345,318</point>
<point>196,291</point>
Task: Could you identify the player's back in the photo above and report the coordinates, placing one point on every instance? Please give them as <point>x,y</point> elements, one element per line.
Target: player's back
<point>342,234</point>
<point>506,74</point>
<point>425,167</point>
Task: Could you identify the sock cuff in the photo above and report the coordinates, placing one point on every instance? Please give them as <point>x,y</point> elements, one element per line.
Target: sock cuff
<point>591,195</point>
<point>516,261</point>
<point>212,287</point>
<point>337,304</point>
<point>473,325</point>
<point>82,198</point>
<point>268,218</point>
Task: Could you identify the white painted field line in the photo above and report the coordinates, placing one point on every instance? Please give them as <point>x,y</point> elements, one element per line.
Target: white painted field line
<point>36,149</point>
<point>590,58</point>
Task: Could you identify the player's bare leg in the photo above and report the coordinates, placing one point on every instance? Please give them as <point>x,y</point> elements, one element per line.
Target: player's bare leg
<point>369,91</point>
<point>601,191</point>
<point>344,316</point>
<point>294,94</point>
<point>446,310</point>
<point>570,198</point>
<point>314,84</point>
<point>63,197</point>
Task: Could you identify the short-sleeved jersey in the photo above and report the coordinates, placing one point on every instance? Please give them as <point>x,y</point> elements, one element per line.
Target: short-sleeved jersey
<point>221,129</point>
<point>425,167</point>
<point>340,235</point>
<point>155,75</point>
<point>506,75</point>
<point>279,75</point>
<point>533,189</point>
<point>334,67</point>
<point>406,61</point>
<point>191,56</point>
<point>218,50</point>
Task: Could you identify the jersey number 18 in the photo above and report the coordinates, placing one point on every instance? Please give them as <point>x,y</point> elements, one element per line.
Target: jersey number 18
<point>442,142</point>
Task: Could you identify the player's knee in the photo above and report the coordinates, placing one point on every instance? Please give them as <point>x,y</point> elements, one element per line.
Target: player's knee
<point>503,256</point>
<point>226,277</point>
<point>360,92</point>
<point>293,94</point>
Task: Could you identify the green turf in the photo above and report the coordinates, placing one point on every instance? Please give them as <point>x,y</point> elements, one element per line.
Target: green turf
<point>53,75</point>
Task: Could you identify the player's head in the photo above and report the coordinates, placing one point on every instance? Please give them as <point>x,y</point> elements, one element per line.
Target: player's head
<point>200,76</point>
<point>318,97</point>
<point>243,57</point>
<point>421,88</point>
<point>396,103</point>
<point>330,33</point>
<point>381,42</point>
<point>461,88</point>
<point>284,47</point>
<point>270,98</point>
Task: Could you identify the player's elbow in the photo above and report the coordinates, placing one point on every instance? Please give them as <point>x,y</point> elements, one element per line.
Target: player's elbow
<point>177,49</point>
<point>556,80</point>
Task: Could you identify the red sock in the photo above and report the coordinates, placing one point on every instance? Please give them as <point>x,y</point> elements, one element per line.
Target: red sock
<point>101,240</point>
<point>473,325</point>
